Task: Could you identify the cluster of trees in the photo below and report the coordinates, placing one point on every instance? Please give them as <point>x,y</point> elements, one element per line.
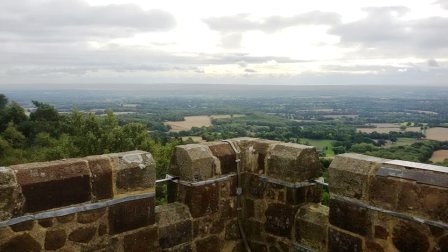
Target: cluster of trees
<point>417,152</point>
<point>45,135</point>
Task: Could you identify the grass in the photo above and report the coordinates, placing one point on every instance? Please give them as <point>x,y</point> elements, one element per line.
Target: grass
<point>401,141</point>
<point>320,145</point>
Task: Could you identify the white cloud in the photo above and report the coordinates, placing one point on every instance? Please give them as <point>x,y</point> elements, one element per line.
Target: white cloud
<point>284,42</point>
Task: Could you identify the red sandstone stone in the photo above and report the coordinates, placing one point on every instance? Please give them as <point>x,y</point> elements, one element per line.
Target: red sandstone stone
<point>142,241</point>
<point>293,162</point>
<point>224,152</point>
<point>101,168</point>
<point>343,242</point>
<point>82,234</point>
<point>131,215</point>
<point>55,239</point>
<point>54,184</point>
<point>350,217</point>
<point>202,200</point>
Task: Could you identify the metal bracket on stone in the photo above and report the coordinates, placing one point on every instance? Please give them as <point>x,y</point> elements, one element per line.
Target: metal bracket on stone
<point>201,183</point>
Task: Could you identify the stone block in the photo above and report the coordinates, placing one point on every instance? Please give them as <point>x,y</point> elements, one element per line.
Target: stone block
<point>228,208</point>
<point>90,215</point>
<point>186,247</point>
<point>82,234</point>
<point>194,162</point>
<point>280,219</point>
<point>23,226</point>
<point>174,223</point>
<point>384,192</point>
<point>293,162</point>
<point>210,244</point>
<point>141,241</point>
<point>23,242</point>
<point>254,186</point>
<point>381,232</point>
<point>443,243</point>
<point>131,215</point>
<point>232,231</point>
<point>133,171</point>
<point>258,246</point>
<point>175,234</point>
<point>248,153</point>
<point>408,196</point>
<point>11,198</point>
<point>434,202</point>
<point>101,169</point>
<point>350,217</point>
<point>55,239</point>
<point>48,185</point>
<point>372,246</point>
<point>408,237</point>
<point>296,196</point>
<point>311,224</point>
<point>260,149</point>
<point>202,200</point>
<point>254,229</point>
<point>226,155</point>
<point>66,218</point>
<point>343,242</point>
<point>349,175</point>
<point>46,223</point>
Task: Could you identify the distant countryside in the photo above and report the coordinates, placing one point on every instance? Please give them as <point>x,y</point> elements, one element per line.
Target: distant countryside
<point>396,125</point>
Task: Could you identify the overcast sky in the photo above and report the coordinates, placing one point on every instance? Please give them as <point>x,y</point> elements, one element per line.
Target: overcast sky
<point>345,42</point>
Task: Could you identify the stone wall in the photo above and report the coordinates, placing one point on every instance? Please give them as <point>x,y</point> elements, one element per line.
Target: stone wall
<point>106,203</point>
<point>387,205</point>
<point>94,203</point>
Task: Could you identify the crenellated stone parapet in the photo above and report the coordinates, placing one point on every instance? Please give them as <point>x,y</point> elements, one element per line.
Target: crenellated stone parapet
<point>276,180</point>
<point>273,189</point>
<point>86,204</point>
<point>387,205</point>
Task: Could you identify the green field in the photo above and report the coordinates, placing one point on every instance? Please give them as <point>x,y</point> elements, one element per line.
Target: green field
<point>320,145</point>
<point>401,142</point>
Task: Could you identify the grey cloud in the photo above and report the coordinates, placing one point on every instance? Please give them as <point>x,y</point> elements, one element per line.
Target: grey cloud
<point>249,70</point>
<point>383,32</point>
<point>68,20</point>
<point>242,22</point>
<point>433,63</point>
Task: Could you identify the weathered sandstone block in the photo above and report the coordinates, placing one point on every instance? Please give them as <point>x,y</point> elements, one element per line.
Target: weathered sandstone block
<point>349,175</point>
<point>293,162</point>
<point>55,239</point>
<point>311,225</point>
<point>133,171</point>
<point>202,200</point>
<point>343,242</point>
<point>11,198</point>
<point>141,241</point>
<point>280,219</point>
<point>350,217</point>
<point>194,162</point>
<point>175,225</point>
<point>101,169</point>
<point>48,185</point>
<point>131,215</point>
<point>226,155</point>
